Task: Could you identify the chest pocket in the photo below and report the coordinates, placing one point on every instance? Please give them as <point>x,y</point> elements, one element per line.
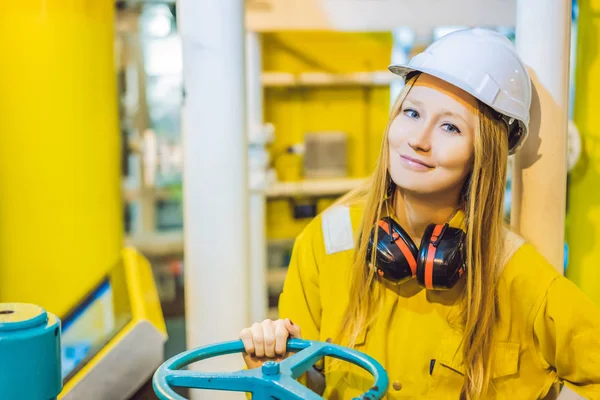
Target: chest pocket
<point>448,371</point>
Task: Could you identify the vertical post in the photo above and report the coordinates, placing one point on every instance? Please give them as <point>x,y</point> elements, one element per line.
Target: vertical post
<point>583,217</point>
<point>215,181</point>
<point>539,182</point>
<point>404,40</point>
<point>258,163</point>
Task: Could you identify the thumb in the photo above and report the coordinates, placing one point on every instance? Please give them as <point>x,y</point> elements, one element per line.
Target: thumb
<point>294,330</point>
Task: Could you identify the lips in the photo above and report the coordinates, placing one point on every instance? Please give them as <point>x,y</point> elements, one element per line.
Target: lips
<point>416,161</point>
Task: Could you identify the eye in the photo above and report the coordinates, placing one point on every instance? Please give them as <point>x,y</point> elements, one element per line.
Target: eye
<point>450,128</point>
<point>409,112</point>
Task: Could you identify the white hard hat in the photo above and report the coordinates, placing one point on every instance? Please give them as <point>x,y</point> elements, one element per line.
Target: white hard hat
<point>485,64</point>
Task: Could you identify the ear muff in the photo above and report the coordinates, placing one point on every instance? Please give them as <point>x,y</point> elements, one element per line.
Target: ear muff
<point>515,133</point>
<point>396,258</point>
<point>437,265</point>
<point>441,261</point>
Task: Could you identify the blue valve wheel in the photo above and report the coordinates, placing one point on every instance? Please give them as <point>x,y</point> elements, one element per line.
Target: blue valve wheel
<point>272,381</point>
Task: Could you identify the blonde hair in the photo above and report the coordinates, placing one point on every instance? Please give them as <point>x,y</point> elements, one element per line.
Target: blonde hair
<point>483,198</point>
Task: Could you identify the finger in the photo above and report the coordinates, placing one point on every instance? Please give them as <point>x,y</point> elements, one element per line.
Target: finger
<point>294,330</point>
<point>269,337</point>
<point>258,339</point>
<point>252,362</point>
<point>281,335</point>
<point>246,336</point>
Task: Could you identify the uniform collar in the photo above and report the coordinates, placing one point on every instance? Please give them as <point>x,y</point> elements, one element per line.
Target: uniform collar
<point>458,220</point>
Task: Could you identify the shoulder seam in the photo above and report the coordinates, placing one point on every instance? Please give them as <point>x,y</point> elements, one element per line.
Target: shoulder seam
<point>511,244</point>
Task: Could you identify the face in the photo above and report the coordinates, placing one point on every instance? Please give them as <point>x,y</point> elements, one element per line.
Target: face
<point>431,138</point>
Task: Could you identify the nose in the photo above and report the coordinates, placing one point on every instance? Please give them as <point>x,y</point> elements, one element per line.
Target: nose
<point>420,140</point>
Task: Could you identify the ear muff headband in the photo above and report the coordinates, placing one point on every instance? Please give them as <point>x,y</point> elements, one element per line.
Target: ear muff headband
<point>431,256</point>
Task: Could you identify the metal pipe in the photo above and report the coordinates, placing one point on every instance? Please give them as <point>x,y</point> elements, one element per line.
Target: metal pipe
<point>215,181</point>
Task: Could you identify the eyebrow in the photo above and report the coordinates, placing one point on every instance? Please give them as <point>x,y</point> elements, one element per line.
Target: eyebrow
<point>444,112</point>
<point>452,114</point>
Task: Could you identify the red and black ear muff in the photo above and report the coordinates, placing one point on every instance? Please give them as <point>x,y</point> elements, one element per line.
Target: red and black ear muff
<point>441,260</point>
<point>396,258</point>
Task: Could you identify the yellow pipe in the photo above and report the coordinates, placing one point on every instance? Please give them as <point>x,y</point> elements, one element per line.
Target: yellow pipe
<point>583,216</point>
<point>60,207</point>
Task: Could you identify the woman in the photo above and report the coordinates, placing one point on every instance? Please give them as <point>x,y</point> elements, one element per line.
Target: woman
<point>473,312</point>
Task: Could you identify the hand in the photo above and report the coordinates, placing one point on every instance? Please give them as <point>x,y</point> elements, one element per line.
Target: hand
<point>268,341</point>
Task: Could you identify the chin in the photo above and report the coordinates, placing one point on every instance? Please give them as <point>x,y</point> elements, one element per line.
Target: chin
<point>417,189</point>
<point>420,186</point>
<point>415,184</point>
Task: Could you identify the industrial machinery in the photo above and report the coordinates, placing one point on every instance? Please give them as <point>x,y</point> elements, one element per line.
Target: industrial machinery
<point>113,341</point>
<point>30,352</point>
<point>107,347</point>
<point>272,381</point>
<point>30,342</point>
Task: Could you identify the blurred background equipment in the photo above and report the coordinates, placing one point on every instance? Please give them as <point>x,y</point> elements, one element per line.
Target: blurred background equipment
<point>94,144</point>
<point>325,155</point>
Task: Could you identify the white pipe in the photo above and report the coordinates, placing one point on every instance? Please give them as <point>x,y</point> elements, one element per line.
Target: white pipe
<point>403,42</point>
<point>539,182</point>
<point>215,180</point>
<point>257,170</point>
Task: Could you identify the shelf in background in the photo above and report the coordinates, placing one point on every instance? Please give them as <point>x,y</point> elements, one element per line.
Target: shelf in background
<point>157,244</point>
<point>130,195</point>
<point>306,187</point>
<point>285,79</point>
<point>281,242</point>
<point>313,187</point>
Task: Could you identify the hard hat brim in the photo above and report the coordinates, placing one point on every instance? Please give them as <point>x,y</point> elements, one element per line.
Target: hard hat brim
<point>403,71</point>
